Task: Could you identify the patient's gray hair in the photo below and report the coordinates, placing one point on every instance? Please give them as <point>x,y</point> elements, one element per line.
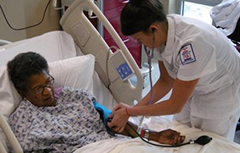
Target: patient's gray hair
<point>23,66</point>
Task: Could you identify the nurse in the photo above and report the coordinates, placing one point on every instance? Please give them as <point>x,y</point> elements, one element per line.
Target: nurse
<point>196,61</point>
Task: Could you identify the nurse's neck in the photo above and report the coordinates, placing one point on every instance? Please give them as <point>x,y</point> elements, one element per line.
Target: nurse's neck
<point>163,26</point>
<point>165,29</point>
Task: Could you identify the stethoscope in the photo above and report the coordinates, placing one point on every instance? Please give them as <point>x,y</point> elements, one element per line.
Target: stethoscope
<point>150,55</point>
<point>202,140</point>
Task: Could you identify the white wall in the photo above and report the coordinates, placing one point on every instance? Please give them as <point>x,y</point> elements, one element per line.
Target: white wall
<point>15,15</point>
<point>22,13</point>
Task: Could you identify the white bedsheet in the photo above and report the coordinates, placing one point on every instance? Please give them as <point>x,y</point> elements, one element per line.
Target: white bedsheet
<point>128,145</point>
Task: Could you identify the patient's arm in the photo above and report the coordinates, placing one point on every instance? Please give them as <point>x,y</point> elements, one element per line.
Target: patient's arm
<point>164,137</point>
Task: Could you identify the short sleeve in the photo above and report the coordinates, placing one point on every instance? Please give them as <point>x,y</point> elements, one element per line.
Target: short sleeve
<point>196,58</point>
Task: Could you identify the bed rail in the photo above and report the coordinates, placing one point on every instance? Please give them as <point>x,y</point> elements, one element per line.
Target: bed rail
<point>90,41</point>
<point>10,136</point>
<point>4,42</point>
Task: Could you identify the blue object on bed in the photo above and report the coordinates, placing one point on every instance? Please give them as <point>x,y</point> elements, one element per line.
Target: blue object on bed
<point>104,113</point>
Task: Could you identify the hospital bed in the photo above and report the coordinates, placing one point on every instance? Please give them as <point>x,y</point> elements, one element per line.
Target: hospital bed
<point>79,57</point>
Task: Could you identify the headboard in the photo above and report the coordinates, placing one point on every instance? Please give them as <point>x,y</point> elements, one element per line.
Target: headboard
<point>90,41</point>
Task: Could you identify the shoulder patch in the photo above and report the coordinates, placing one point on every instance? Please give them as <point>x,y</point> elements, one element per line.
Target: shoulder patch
<point>187,54</point>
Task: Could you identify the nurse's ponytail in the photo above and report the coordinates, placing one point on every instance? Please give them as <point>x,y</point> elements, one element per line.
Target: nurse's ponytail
<point>138,15</point>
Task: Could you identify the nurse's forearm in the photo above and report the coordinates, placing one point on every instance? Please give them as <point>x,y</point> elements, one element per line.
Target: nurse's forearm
<point>182,90</point>
<point>160,89</point>
<point>162,108</point>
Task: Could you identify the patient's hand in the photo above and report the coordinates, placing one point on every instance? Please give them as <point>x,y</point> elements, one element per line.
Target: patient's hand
<point>170,137</point>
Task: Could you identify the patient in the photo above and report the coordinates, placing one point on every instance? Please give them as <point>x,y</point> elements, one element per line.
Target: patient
<point>63,119</point>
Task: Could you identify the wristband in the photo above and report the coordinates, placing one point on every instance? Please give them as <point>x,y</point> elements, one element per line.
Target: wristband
<point>140,131</point>
<point>146,134</point>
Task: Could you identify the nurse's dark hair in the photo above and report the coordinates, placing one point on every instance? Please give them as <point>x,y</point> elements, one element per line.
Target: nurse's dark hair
<point>138,15</point>
<point>23,66</point>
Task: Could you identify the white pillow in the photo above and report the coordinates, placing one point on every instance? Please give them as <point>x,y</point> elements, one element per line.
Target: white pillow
<point>54,46</point>
<point>76,72</point>
<point>9,97</point>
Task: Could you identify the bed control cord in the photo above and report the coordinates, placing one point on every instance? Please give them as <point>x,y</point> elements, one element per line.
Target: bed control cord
<point>202,140</point>
<point>17,29</point>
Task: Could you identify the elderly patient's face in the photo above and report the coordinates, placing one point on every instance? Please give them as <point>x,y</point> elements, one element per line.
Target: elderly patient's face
<point>40,91</point>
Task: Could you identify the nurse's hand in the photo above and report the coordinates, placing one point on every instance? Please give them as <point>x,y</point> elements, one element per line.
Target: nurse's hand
<point>119,106</point>
<point>119,119</point>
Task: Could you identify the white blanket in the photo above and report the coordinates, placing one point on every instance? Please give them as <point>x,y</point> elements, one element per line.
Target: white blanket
<point>128,145</point>
<point>225,15</point>
<point>71,124</point>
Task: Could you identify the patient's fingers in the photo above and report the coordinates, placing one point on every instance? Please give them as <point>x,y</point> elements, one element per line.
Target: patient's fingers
<point>173,134</point>
<point>108,124</point>
<point>177,140</point>
<point>182,138</point>
<point>110,116</point>
<point>171,137</point>
<point>121,129</point>
<point>117,129</point>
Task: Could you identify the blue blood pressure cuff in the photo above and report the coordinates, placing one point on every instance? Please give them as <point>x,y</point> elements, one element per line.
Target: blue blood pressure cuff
<point>104,113</point>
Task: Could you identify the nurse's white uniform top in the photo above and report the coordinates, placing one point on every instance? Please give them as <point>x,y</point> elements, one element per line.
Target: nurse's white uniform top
<point>194,50</point>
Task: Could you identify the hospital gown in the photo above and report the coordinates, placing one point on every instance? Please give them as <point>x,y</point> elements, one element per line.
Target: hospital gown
<point>71,124</point>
